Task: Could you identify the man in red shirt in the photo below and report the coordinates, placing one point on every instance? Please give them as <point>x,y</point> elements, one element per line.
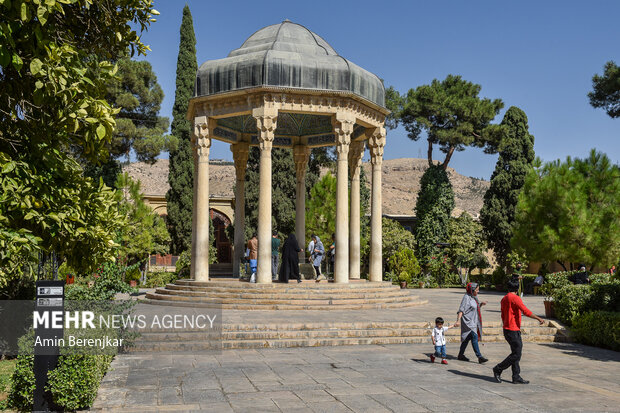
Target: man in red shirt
<point>512,306</point>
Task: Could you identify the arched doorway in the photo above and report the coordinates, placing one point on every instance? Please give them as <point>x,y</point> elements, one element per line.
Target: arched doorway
<point>222,243</point>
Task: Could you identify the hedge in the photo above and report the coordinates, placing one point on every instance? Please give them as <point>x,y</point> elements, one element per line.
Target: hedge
<point>598,328</point>
<point>571,301</point>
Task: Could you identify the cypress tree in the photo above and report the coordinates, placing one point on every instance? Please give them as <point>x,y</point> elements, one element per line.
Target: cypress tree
<point>516,155</point>
<point>181,172</point>
<point>433,210</point>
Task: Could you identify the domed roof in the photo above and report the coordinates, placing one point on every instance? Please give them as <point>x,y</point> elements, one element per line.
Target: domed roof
<point>287,55</point>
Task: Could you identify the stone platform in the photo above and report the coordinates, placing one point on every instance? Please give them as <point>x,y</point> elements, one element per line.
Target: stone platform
<point>340,326</point>
<point>307,295</point>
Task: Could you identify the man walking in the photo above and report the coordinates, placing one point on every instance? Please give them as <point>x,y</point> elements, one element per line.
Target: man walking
<point>512,306</point>
<point>275,252</point>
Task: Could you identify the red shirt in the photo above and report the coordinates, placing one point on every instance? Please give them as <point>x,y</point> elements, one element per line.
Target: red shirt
<point>512,306</point>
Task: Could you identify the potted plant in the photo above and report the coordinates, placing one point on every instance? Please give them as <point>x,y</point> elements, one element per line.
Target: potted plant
<point>404,278</point>
<point>547,291</point>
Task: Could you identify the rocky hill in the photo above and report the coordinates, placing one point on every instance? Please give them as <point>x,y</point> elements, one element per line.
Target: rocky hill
<point>401,183</point>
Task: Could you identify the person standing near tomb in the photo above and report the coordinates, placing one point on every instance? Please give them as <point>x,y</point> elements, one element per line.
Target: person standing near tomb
<point>290,260</point>
<point>512,307</point>
<point>332,254</point>
<point>471,329</point>
<point>275,252</point>
<point>253,256</point>
<point>317,256</point>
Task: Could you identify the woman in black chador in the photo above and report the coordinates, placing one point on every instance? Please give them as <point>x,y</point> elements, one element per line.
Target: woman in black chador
<point>290,260</point>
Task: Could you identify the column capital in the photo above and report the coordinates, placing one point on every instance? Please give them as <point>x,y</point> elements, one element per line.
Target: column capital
<point>301,155</point>
<point>266,123</point>
<point>343,123</point>
<point>356,153</point>
<point>241,151</point>
<point>201,139</point>
<point>376,143</point>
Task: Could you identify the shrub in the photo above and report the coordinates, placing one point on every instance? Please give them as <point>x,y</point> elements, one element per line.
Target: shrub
<point>439,269</point>
<point>404,260</point>
<point>573,300</point>
<point>570,301</point>
<point>160,279</point>
<point>183,264</point>
<point>21,395</point>
<point>395,238</point>
<point>598,328</point>
<point>74,383</point>
<point>133,274</point>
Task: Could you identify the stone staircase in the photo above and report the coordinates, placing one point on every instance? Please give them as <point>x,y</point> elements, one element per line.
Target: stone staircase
<point>252,336</point>
<point>307,295</point>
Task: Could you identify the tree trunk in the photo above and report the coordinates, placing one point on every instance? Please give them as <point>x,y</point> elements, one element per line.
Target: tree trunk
<point>448,157</point>
<point>562,264</point>
<point>430,153</point>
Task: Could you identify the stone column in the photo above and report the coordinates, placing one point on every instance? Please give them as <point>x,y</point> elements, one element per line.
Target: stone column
<point>343,127</point>
<point>376,142</point>
<point>355,165</point>
<point>192,265</point>
<point>266,122</point>
<point>301,154</point>
<point>240,156</point>
<point>203,128</point>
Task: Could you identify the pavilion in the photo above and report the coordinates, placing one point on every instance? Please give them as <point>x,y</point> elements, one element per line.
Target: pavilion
<point>287,87</point>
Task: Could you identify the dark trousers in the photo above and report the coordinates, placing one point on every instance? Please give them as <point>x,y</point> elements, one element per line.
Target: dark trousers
<point>516,346</point>
<point>473,337</point>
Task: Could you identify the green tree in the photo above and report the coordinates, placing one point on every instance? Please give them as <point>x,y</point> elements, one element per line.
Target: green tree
<point>433,210</point>
<point>137,94</point>
<point>467,245</point>
<point>570,211</point>
<point>516,154</point>
<point>145,232</point>
<point>395,238</point>
<point>606,90</point>
<point>181,168</point>
<point>55,61</point>
<point>451,113</point>
<point>321,209</point>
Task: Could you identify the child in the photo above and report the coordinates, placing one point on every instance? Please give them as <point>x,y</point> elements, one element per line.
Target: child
<point>439,340</point>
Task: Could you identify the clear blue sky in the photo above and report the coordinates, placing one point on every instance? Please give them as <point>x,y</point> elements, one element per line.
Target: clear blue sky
<point>537,55</point>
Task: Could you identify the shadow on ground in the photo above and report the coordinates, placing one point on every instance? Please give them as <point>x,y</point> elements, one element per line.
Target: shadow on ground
<point>474,376</point>
<point>582,350</point>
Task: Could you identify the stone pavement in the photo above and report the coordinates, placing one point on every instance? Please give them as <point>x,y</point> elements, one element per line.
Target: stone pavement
<point>398,378</point>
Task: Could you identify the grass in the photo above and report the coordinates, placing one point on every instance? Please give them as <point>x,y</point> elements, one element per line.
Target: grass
<point>6,370</point>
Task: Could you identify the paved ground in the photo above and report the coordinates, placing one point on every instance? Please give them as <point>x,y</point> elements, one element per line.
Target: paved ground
<point>564,377</point>
<point>399,378</point>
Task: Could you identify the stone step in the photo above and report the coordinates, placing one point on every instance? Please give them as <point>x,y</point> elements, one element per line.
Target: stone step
<point>277,299</point>
<point>181,346</point>
<point>374,325</point>
<point>318,333</point>
<point>301,290</point>
<point>292,294</point>
<point>180,301</point>
<point>293,285</point>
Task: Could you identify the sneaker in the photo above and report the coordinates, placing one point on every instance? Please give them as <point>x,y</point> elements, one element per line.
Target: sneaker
<point>462,358</point>
<point>432,358</point>
<point>497,374</point>
<point>482,360</point>
<point>298,281</point>
<point>444,361</point>
<point>519,380</point>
